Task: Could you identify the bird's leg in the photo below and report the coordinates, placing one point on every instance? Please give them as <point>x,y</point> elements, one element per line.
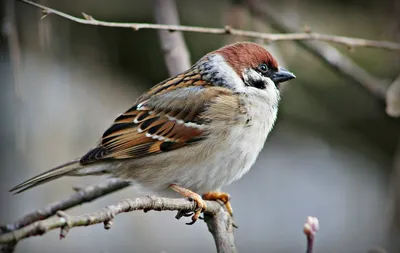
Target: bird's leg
<point>201,204</point>
<point>222,196</point>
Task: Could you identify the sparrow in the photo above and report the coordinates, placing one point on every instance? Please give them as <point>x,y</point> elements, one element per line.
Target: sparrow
<point>193,133</point>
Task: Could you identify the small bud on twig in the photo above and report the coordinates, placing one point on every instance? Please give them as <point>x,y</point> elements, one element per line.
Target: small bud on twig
<point>87,17</point>
<point>311,226</point>
<point>310,229</point>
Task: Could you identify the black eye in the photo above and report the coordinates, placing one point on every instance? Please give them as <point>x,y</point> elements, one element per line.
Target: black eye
<point>263,68</point>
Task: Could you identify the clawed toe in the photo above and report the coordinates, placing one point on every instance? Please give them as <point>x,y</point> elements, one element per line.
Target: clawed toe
<point>200,207</point>
<point>200,203</point>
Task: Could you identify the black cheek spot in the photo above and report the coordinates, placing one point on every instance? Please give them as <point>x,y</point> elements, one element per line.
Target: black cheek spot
<point>259,84</point>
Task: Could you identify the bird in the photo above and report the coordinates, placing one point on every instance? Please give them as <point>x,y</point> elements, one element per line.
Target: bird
<point>192,133</point>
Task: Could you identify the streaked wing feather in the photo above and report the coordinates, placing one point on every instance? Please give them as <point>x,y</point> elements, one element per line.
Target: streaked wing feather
<point>168,119</point>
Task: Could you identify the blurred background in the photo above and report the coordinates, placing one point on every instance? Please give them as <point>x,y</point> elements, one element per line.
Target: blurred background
<point>333,153</point>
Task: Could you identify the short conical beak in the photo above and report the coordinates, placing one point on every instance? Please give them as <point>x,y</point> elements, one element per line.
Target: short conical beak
<point>282,75</point>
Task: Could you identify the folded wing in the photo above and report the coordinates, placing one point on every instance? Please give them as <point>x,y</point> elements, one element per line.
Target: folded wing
<point>169,119</point>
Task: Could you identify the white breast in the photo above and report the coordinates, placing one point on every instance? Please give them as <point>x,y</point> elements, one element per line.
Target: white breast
<point>246,141</point>
<point>228,159</point>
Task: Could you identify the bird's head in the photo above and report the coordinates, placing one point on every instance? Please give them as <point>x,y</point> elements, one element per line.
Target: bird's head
<point>246,66</point>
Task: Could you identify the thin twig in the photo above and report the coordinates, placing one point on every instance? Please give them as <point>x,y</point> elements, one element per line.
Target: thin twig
<point>176,54</point>
<point>323,51</point>
<point>85,195</point>
<point>106,216</point>
<point>349,42</point>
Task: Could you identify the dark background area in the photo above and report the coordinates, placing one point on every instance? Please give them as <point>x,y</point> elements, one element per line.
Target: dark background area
<point>331,154</point>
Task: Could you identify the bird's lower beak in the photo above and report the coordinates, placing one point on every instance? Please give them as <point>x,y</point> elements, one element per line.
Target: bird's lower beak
<point>282,75</point>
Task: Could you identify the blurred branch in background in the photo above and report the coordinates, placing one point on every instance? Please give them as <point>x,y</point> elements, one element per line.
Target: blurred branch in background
<point>393,98</point>
<point>349,42</point>
<point>176,55</point>
<point>323,51</point>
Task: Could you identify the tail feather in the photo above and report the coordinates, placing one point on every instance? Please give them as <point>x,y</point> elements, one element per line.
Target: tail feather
<point>46,176</point>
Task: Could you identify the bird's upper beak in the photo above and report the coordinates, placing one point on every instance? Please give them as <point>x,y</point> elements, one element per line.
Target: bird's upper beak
<point>282,75</point>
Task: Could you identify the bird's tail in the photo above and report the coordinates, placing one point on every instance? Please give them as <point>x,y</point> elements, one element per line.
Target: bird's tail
<point>49,175</point>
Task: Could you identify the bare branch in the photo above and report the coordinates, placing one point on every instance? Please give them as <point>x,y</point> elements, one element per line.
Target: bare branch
<point>349,42</point>
<point>325,52</point>
<point>106,216</point>
<point>85,195</point>
<point>176,55</point>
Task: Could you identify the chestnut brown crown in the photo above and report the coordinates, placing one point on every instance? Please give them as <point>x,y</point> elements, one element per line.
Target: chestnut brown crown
<point>247,55</point>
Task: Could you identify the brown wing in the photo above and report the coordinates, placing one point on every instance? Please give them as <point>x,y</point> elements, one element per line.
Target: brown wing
<point>170,118</point>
